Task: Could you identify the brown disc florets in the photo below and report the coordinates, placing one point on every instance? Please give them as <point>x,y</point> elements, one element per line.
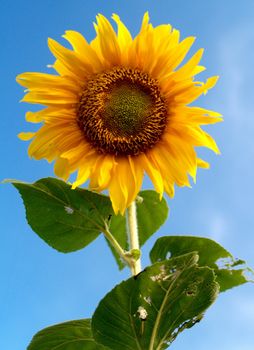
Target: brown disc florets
<point>122,112</point>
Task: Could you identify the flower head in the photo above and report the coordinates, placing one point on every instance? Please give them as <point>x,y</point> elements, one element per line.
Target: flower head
<point>119,108</point>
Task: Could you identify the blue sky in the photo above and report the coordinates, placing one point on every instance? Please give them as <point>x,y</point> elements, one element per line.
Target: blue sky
<point>40,286</point>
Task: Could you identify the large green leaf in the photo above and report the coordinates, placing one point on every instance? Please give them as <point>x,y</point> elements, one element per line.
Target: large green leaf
<point>230,272</point>
<point>151,214</point>
<point>72,335</point>
<point>149,310</point>
<point>66,219</point>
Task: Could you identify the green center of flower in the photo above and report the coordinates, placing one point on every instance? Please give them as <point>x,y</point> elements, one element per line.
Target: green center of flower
<point>126,109</point>
<point>122,112</point>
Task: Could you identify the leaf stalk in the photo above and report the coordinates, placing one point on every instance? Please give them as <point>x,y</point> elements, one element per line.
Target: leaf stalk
<point>117,246</point>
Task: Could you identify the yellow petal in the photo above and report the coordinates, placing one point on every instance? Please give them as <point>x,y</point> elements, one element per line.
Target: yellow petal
<point>69,60</point>
<point>51,140</point>
<point>141,54</point>
<point>84,171</point>
<point>193,115</point>
<point>26,136</point>
<point>42,145</point>
<point>170,165</point>
<point>108,41</point>
<point>172,57</point>
<point>180,150</point>
<point>122,187</point>
<point>191,93</point>
<point>202,164</point>
<point>50,98</point>
<point>169,187</point>
<point>51,114</point>
<point>153,172</point>
<point>78,151</point>
<point>187,69</point>
<point>118,192</point>
<point>62,70</point>
<point>47,82</point>
<point>145,22</point>
<point>124,36</point>
<point>197,137</point>
<point>163,34</point>
<point>126,181</point>
<point>83,49</point>
<point>104,171</point>
<point>182,50</point>
<point>137,173</point>
<point>34,117</point>
<point>61,168</point>
<point>101,173</point>
<point>198,69</point>
<point>210,83</point>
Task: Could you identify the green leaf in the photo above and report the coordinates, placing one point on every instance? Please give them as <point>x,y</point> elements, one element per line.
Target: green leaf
<point>230,272</point>
<point>66,219</point>
<point>149,310</point>
<point>151,214</point>
<point>72,335</point>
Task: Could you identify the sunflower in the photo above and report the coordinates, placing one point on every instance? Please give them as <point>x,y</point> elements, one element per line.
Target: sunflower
<point>119,108</point>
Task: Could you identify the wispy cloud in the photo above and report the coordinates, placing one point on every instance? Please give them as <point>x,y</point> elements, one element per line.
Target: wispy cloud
<point>236,56</point>
<point>218,226</point>
<point>244,307</point>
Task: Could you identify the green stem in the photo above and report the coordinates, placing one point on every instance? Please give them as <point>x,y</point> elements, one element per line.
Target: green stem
<point>132,228</point>
<point>116,245</point>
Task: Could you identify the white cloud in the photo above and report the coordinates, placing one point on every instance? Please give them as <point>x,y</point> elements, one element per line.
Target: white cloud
<point>218,226</point>
<point>236,60</point>
<point>236,56</point>
<point>244,307</point>
<point>240,347</point>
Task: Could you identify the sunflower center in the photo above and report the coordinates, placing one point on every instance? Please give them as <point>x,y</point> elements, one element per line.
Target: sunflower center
<point>126,109</point>
<point>122,112</point>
